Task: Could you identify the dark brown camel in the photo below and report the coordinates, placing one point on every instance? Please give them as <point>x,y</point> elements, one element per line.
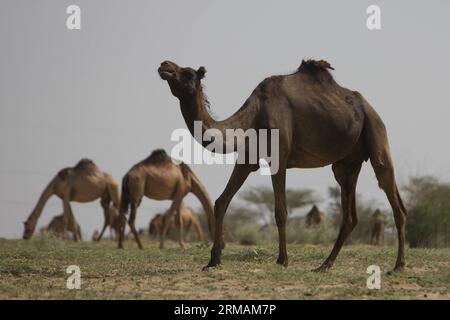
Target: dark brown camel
<point>377,228</point>
<point>158,177</point>
<point>189,220</point>
<point>320,123</point>
<point>314,217</point>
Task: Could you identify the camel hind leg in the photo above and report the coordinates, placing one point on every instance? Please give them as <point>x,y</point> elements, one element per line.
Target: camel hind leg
<point>380,157</point>
<point>384,171</point>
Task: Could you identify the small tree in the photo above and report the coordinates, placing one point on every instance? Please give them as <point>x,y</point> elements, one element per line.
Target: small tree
<point>428,201</point>
<point>262,197</point>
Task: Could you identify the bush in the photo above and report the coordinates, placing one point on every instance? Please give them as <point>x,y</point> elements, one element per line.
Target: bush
<point>248,235</point>
<point>428,201</point>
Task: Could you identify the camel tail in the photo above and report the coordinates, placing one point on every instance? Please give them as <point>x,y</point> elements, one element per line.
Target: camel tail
<point>199,190</point>
<point>125,197</point>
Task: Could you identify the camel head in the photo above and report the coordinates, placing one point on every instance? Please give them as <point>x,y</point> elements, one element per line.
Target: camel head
<point>28,230</point>
<point>183,82</point>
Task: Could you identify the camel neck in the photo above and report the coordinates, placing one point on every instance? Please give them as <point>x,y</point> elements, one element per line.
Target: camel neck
<point>195,109</point>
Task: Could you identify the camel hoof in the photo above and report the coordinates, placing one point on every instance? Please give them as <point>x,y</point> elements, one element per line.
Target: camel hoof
<point>282,262</point>
<point>322,268</point>
<point>210,265</point>
<point>399,268</point>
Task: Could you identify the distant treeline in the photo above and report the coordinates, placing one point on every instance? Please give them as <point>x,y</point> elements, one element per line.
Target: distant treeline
<point>251,221</point>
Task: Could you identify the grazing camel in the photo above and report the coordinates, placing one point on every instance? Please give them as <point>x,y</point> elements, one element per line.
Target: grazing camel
<point>84,182</point>
<point>113,222</point>
<point>377,228</point>
<point>57,227</point>
<point>189,219</point>
<point>319,123</point>
<point>158,177</point>
<point>314,217</point>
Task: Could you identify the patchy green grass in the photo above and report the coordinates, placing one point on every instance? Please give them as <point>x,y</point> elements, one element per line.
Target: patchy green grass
<point>36,270</point>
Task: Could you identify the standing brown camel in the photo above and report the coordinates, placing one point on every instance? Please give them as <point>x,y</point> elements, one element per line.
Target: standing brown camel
<point>188,217</point>
<point>58,228</point>
<point>314,217</point>
<point>319,122</point>
<point>158,177</point>
<point>84,182</point>
<point>377,227</point>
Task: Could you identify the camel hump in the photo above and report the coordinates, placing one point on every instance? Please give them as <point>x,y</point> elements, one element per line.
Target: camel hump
<point>157,156</point>
<point>317,70</point>
<point>84,163</point>
<point>315,65</point>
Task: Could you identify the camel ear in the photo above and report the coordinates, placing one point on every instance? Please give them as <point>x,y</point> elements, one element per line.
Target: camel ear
<point>201,72</point>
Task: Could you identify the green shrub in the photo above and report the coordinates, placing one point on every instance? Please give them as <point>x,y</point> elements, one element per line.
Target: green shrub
<point>248,235</point>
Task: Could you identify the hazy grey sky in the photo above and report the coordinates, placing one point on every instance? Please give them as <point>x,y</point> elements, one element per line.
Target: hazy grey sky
<point>95,92</point>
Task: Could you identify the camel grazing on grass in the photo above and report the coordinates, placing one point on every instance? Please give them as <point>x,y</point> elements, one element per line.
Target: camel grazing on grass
<point>188,217</point>
<point>58,228</point>
<point>320,123</point>
<point>84,182</point>
<point>377,228</point>
<point>314,217</point>
<point>158,177</point>
<point>113,223</point>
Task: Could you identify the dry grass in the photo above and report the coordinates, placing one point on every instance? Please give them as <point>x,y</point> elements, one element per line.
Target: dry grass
<point>36,270</point>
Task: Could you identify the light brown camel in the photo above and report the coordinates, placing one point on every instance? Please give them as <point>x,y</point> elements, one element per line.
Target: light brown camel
<point>84,182</point>
<point>314,217</point>
<point>113,223</point>
<point>320,123</point>
<point>377,228</point>
<point>158,177</point>
<point>57,227</point>
<point>188,217</point>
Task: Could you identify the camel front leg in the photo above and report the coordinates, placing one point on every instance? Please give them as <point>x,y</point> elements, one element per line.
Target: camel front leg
<point>69,219</point>
<point>105,206</point>
<point>279,190</point>
<point>131,223</point>
<point>238,177</point>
